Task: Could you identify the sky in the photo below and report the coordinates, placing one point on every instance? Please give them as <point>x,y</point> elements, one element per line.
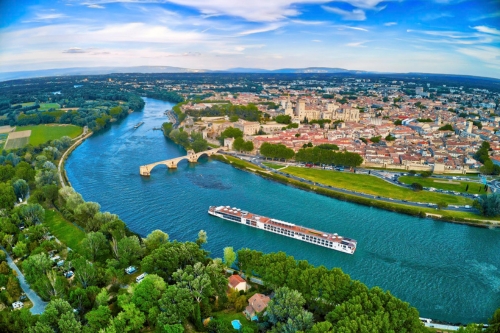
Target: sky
<point>431,36</point>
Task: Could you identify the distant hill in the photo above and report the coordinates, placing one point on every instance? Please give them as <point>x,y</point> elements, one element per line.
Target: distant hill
<point>312,70</point>
<point>96,71</point>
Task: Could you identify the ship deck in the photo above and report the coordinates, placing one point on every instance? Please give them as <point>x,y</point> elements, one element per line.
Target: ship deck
<point>286,225</point>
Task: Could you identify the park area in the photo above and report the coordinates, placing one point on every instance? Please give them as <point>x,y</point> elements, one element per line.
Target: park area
<point>38,134</point>
<point>373,185</point>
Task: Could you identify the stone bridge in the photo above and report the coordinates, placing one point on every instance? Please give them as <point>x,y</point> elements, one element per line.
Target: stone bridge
<point>192,157</point>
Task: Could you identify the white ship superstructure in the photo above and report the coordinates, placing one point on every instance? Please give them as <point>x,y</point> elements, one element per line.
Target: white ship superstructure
<point>330,241</point>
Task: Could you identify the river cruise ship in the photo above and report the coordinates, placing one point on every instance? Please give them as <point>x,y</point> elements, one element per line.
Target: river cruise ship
<point>330,241</point>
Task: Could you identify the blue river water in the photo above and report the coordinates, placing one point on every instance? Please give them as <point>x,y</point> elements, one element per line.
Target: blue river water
<point>447,271</point>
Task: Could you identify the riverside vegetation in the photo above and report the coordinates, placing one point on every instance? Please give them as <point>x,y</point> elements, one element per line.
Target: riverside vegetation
<point>184,284</point>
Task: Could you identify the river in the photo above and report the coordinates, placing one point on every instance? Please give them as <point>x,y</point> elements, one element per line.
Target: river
<point>447,271</point>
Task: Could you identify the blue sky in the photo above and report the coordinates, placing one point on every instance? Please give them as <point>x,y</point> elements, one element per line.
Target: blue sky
<point>434,36</point>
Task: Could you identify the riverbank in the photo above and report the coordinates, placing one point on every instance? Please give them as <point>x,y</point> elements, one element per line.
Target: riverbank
<point>63,178</point>
<point>441,215</point>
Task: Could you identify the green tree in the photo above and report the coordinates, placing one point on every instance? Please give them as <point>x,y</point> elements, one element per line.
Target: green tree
<point>85,272</point>
<point>231,132</point>
<point>146,294</point>
<point>229,256</point>
<point>129,250</point>
<point>85,213</point>
<point>95,245</point>
<point>7,196</point>
<point>488,204</point>
<point>202,238</point>
<point>32,214</point>
<point>20,250</point>
<point>21,188</point>
<point>155,239</point>
<point>286,311</point>
<point>177,328</point>
<point>417,187</point>
<point>196,280</point>
<point>176,304</point>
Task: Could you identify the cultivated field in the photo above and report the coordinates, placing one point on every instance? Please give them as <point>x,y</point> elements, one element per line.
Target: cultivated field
<point>43,133</point>
<point>3,138</point>
<point>6,129</point>
<point>17,139</point>
<point>43,106</point>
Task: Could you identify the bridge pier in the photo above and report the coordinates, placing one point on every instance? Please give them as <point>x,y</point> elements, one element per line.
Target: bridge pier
<point>144,171</point>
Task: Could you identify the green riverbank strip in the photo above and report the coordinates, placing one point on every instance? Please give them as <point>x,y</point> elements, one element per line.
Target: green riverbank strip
<point>445,215</point>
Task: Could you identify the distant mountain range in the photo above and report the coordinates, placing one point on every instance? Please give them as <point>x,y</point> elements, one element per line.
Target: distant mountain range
<point>159,69</point>
<point>4,76</point>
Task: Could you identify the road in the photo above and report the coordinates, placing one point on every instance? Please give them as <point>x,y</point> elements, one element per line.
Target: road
<point>257,161</point>
<point>78,140</point>
<point>38,304</point>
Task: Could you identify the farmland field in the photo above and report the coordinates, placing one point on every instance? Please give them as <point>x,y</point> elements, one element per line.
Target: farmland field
<point>3,138</point>
<point>17,143</point>
<point>43,106</point>
<point>43,133</point>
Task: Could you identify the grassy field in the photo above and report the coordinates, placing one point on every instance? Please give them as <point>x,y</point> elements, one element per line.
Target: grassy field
<point>43,133</point>
<point>444,184</point>
<point>64,230</point>
<point>373,185</point>
<point>17,143</point>
<point>3,138</point>
<point>448,215</point>
<point>43,106</point>
<point>274,166</point>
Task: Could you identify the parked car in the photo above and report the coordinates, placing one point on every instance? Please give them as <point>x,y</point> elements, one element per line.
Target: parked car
<point>130,270</point>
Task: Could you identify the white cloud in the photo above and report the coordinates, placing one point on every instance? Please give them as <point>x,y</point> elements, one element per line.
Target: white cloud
<point>47,16</point>
<point>487,54</point>
<point>354,15</point>
<point>356,44</point>
<point>390,24</point>
<point>267,28</point>
<point>255,11</point>
<point>316,41</point>
<point>486,16</point>
<point>96,6</point>
<point>342,27</point>
<point>365,4</point>
<point>309,22</point>
<point>488,30</point>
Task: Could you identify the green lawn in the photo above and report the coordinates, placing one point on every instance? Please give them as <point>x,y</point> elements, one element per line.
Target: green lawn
<point>373,185</point>
<point>43,133</point>
<point>64,230</point>
<point>230,316</point>
<point>272,165</point>
<point>444,184</point>
<point>43,106</point>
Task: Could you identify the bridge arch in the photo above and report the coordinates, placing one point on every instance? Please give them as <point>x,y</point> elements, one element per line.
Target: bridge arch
<point>191,157</point>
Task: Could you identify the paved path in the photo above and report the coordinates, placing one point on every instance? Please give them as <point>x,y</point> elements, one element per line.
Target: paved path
<point>442,327</point>
<point>83,136</point>
<point>38,304</point>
